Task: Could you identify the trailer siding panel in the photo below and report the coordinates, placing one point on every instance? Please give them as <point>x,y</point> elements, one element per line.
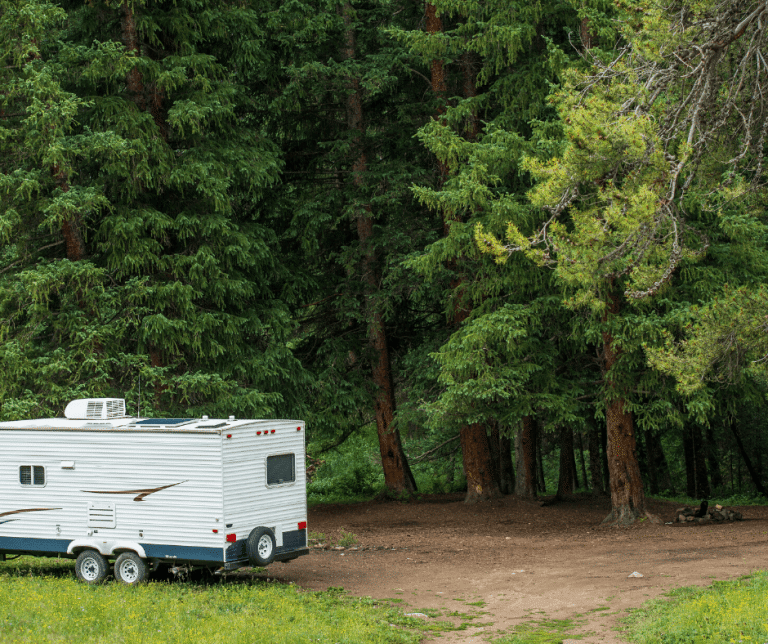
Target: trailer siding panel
<point>174,486</point>
<point>248,501</point>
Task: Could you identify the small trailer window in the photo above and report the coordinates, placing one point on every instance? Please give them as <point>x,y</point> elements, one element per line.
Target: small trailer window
<point>32,475</point>
<point>281,469</point>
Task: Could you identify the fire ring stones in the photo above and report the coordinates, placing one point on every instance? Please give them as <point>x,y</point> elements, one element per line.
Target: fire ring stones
<point>718,514</point>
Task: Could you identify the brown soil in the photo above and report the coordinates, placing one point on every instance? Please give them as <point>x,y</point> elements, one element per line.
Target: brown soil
<point>522,560</point>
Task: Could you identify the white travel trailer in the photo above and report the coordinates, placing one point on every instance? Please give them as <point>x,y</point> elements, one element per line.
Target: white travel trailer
<point>98,485</point>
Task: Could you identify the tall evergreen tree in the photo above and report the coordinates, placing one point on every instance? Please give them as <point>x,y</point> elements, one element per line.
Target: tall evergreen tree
<point>134,240</point>
<point>490,68</point>
<point>345,116</point>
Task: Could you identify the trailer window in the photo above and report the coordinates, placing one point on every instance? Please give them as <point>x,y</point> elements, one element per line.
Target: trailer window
<point>32,475</point>
<point>281,469</point>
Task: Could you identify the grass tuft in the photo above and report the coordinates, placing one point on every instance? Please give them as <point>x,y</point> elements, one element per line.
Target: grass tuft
<point>542,631</point>
<point>725,612</point>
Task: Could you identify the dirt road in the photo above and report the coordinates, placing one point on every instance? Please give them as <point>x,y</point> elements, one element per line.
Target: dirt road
<point>515,560</point>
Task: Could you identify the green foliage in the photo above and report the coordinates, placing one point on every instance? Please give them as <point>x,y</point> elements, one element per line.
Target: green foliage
<point>724,342</point>
<point>726,611</point>
<point>148,168</point>
<point>350,473</point>
<point>43,600</point>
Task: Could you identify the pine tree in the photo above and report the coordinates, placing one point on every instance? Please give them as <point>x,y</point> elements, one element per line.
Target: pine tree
<point>494,60</point>
<point>134,240</point>
<point>344,115</point>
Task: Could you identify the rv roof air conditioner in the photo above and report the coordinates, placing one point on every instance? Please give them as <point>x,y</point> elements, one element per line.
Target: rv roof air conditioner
<point>95,408</point>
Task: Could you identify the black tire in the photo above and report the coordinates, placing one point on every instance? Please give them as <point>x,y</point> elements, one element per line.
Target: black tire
<point>261,546</point>
<point>91,567</point>
<point>130,569</point>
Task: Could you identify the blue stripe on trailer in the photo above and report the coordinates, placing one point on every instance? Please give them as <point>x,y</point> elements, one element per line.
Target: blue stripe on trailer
<point>24,544</point>
<point>190,553</point>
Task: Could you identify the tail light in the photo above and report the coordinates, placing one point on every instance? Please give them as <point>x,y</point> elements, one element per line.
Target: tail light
<point>302,525</point>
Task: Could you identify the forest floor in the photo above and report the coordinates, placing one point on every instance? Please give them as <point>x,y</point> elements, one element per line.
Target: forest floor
<point>499,564</point>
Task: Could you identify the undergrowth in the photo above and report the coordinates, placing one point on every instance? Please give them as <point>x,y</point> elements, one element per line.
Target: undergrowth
<point>728,501</point>
<point>352,473</point>
<point>723,613</point>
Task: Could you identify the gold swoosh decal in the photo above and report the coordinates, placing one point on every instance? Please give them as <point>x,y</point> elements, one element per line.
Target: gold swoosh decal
<point>140,493</point>
<point>5,514</point>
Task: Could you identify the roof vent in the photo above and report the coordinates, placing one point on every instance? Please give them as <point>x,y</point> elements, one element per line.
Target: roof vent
<point>95,408</point>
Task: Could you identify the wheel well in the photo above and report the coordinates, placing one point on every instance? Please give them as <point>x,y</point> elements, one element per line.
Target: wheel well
<point>118,551</point>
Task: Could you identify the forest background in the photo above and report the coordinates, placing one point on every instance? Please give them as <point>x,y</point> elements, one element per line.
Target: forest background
<point>517,246</point>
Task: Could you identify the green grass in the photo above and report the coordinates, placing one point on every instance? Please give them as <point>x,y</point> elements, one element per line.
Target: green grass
<point>727,611</point>
<point>542,631</point>
<point>43,602</point>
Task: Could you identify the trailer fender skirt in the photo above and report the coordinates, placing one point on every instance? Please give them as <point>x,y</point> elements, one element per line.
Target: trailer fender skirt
<point>106,548</point>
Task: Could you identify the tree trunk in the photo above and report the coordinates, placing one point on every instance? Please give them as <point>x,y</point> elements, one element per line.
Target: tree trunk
<point>627,495</point>
<point>715,473</point>
<point>604,458</point>
<point>437,78</point>
<point>696,479</point>
<point>542,483</point>
<point>437,68</point>
<point>656,454</point>
<point>750,468</point>
<point>71,228</point>
<point>703,490</point>
<point>493,447</point>
<point>525,454</point>
<point>73,237</point>
<point>567,465</point>
<point>658,469</point>
<point>642,461</point>
<point>595,461</point>
<point>690,464</point>
<point>574,469</point>
<point>582,460</point>
<point>478,485</point>
<point>133,80</point>
<point>469,77</point>
<point>478,465</point>
<point>506,469</point>
<point>397,473</point>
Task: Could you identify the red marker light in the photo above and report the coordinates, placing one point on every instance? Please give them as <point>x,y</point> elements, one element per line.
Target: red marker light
<point>231,538</point>
<point>216,531</point>
<point>258,433</point>
<point>302,525</point>
<point>229,435</point>
<point>298,429</point>
<point>273,431</point>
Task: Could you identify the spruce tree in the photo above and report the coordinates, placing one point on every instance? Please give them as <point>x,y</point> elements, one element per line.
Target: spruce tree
<point>134,241</point>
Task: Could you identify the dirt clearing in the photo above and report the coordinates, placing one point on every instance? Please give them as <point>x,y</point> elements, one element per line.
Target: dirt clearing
<point>509,561</point>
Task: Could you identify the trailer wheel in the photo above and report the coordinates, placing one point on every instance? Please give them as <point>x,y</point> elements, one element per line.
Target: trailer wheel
<point>261,546</point>
<point>130,569</point>
<point>91,567</point>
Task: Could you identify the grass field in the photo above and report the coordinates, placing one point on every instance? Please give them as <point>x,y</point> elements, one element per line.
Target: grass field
<point>41,601</point>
